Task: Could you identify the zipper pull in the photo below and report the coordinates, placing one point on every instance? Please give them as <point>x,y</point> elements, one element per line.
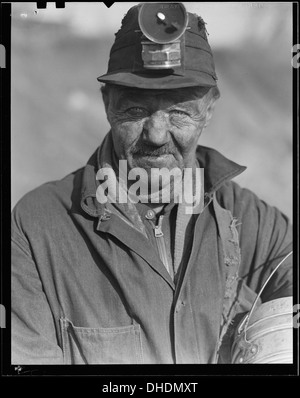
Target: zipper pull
<point>157,230</point>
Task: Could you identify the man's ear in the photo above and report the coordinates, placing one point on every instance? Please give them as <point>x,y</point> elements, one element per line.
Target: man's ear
<point>105,97</point>
<point>210,110</point>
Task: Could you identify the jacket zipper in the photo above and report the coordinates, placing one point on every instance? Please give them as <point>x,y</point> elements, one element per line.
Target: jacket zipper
<point>158,233</point>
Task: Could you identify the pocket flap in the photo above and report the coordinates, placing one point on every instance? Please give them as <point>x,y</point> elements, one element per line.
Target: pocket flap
<point>118,345</point>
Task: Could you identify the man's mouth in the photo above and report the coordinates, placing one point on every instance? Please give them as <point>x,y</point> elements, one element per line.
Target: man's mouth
<point>153,152</point>
<point>161,161</point>
<point>153,158</point>
<point>156,158</point>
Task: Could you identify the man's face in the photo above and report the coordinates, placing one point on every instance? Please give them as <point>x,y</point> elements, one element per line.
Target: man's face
<point>157,128</point>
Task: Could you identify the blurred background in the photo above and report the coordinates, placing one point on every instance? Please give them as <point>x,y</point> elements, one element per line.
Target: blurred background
<point>58,118</point>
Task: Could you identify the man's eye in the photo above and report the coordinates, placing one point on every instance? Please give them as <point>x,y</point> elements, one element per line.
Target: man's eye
<point>179,112</point>
<point>136,111</point>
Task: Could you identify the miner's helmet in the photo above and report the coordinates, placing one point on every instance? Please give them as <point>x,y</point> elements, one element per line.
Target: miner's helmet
<point>161,46</point>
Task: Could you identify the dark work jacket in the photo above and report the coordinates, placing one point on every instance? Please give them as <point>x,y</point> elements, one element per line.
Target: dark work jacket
<point>90,289</point>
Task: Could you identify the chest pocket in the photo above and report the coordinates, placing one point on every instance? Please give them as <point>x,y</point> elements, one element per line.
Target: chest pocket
<point>120,345</point>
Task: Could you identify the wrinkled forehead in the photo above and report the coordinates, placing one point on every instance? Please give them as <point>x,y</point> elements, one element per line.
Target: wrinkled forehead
<point>120,93</point>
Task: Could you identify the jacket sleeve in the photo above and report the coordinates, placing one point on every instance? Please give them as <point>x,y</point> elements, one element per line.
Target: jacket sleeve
<point>265,238</point>
<point>34,339</point>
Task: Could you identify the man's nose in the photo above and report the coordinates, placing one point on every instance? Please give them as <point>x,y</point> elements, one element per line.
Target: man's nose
<point>155,129</point>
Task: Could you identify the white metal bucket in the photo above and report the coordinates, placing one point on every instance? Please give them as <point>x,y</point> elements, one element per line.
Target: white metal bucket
<point>266,334</point>
<point>268,337</point>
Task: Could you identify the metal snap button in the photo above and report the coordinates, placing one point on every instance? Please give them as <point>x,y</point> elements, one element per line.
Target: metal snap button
<point>150,214</point>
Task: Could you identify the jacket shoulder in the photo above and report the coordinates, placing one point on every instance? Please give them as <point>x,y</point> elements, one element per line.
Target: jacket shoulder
<point>265,233</point>
<point>242,202</point>
<point>47,200</point>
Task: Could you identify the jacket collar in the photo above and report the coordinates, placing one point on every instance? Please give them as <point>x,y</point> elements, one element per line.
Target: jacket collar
<point>217,171</point>
<point>217,168</point>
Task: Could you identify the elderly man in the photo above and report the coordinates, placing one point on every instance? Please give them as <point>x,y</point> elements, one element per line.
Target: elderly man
<point>145,281</point>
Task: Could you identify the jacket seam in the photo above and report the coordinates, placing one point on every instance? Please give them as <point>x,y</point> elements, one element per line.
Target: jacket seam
<point>194,324</point>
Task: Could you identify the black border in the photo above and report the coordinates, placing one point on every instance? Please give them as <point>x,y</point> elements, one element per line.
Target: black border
<point>5,184</point>
<point>154,373</point>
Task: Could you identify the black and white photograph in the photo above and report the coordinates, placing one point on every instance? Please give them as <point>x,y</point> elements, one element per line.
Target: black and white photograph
<point>152,208</point>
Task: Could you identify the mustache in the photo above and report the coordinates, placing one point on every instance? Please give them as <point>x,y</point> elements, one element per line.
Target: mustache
<point>150,150</point>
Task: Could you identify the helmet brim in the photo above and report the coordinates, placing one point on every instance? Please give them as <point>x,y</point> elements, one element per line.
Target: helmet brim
<point>156,81</point>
